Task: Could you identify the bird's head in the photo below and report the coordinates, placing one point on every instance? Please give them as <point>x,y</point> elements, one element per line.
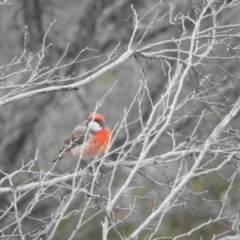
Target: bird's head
<point>95,121</point>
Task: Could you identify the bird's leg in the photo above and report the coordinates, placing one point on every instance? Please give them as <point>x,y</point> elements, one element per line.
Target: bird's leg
<point>100,171</point>
<point>95,166</point>
<point>92,168</point>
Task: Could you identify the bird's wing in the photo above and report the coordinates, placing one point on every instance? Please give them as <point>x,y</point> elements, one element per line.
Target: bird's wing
<point>76,138</point>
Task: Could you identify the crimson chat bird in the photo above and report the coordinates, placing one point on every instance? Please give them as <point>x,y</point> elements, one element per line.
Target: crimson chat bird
<point>88,139</point>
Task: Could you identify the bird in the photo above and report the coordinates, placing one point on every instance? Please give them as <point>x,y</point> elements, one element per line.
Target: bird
<point>89,138</point>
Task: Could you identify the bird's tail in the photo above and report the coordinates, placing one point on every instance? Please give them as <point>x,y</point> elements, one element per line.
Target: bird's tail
<point>57,159</point>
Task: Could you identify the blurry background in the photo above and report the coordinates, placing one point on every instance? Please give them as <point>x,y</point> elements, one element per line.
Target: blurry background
<point>43,122</point>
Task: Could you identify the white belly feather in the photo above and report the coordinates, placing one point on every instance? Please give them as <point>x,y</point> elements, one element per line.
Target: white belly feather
<point>78,150</point>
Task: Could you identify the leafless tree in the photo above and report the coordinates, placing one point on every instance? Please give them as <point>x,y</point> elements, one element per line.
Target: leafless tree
<point>167,145</point>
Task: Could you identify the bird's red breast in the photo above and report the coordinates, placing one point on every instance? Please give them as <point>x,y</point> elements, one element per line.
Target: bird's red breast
<point>98,143</point>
